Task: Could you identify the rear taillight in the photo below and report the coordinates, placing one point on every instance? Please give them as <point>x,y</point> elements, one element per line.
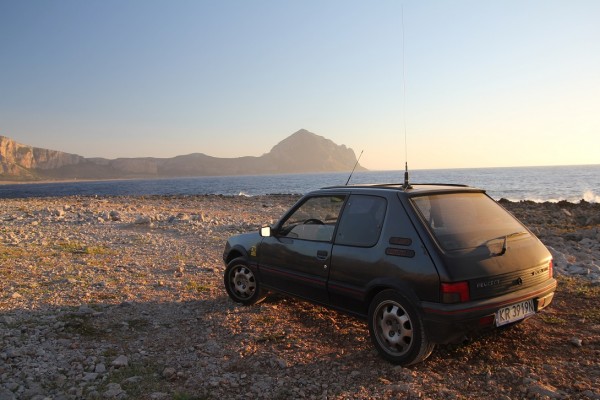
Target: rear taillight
<point>455,292</point>
<point>550,269</point>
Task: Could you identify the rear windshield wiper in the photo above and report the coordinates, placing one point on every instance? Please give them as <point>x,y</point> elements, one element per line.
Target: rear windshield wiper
<point>505,237</point>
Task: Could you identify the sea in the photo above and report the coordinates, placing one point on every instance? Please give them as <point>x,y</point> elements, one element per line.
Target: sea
<point>538,184</point>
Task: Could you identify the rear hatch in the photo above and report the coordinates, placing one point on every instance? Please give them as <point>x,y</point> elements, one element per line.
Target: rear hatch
<point>482,243</point>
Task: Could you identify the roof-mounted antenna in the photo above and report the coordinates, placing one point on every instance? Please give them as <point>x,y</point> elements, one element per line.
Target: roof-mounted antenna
<point>357,160</point>
<point>406,185</point>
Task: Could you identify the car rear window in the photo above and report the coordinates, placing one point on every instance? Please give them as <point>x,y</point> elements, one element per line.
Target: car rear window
<point>467,220</point>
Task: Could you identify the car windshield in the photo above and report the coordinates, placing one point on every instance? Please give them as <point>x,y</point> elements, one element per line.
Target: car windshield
<point>467,220</point>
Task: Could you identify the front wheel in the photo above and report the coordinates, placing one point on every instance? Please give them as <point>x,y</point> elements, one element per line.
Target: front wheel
<point>241,283</point>
<point>396,329</point>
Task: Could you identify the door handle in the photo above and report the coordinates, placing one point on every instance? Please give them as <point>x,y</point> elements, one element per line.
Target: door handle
<point>322,255</point>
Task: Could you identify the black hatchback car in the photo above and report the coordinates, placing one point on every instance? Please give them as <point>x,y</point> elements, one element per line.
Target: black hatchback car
<point>424,264</point>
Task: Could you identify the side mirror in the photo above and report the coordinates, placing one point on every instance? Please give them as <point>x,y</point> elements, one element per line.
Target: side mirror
<point>265,231</point>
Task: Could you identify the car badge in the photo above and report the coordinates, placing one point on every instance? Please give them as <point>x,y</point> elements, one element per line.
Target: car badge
<point>518,282</point>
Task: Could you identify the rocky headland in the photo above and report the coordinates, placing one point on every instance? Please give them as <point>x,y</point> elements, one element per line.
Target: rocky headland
<point>302,152</point>
<point>122,297</point>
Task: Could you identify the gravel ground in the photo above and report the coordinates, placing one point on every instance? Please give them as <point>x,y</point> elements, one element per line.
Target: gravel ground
<point>122,297</point>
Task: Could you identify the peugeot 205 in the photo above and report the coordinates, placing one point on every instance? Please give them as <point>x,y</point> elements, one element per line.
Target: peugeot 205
<point>424,264</point>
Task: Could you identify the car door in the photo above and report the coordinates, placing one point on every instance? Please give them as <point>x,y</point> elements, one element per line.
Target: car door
<point>296,257</point>
<point>357,251</point>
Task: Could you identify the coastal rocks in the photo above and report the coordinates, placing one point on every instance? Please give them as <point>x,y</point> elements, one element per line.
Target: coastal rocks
<point>570,231</point>
<point>567,264</point>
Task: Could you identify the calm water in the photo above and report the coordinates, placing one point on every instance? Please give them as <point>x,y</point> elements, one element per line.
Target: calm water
<point>571,183</point>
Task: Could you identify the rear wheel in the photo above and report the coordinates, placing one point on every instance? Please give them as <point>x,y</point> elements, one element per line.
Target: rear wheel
<point>397,330</point>
<point>241,283</point>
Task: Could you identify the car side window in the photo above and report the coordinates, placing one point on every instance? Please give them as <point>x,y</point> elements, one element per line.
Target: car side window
<point>315,219</point>
<point>362,220</point>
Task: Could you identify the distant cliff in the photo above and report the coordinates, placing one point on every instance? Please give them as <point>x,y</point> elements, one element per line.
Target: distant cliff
<point>22,162</point>
<point>302,152</point>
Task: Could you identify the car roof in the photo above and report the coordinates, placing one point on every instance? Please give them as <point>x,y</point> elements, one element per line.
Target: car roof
<point>412,189</point>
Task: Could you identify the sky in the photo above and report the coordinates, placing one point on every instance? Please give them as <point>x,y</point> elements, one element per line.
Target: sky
<point>440,84</point>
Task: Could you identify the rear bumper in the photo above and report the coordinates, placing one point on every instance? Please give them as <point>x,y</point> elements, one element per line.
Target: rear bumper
<point>446,323</point>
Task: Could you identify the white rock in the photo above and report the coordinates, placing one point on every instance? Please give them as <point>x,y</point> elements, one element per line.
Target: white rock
<point>90,376</point>
<point>559,260</point>
<point>120,361</point>
<point>576,342</point>
<point>113,390</point>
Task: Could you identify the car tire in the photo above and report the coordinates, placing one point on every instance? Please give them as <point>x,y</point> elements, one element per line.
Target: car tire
<point>397,330</point>
<point>241,283</point>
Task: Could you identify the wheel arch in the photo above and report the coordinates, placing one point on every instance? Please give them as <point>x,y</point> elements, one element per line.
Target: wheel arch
<point>379,286</point>
<point>236,252</point>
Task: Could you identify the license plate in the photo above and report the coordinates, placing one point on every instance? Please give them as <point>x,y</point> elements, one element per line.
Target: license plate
<point>514,312</point>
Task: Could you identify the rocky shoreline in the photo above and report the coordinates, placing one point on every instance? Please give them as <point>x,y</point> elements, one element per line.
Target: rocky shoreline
<point>122,297</point>
<point>571,232</point>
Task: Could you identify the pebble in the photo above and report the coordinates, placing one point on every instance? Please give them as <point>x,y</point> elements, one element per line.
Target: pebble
<point>576,342</point>
<point>114,391</point>
<point>169,373</point>
<point>539,390</point>
<point>121,361</point>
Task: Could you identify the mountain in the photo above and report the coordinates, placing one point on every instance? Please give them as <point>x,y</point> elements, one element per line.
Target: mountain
<point>302,152</point>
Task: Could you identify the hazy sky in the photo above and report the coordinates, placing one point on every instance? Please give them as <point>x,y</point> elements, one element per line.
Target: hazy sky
<point>487,83</point>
